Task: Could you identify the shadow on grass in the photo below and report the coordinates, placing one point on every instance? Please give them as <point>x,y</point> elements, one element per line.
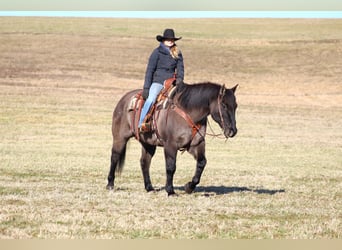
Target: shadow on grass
<point>220,190</point>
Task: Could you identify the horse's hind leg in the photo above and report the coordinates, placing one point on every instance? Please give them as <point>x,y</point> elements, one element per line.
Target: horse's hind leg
<point>199,153</point>
<point>116,161</point>
<point>111,176</point>
<point>147,153</point>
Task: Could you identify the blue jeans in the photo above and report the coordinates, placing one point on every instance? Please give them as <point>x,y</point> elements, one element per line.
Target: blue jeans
<point>152,96</point>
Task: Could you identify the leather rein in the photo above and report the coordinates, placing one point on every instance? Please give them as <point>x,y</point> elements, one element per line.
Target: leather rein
<point>196,127</point>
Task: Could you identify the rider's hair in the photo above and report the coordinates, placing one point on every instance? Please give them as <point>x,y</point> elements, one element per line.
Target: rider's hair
<point>174,51</point>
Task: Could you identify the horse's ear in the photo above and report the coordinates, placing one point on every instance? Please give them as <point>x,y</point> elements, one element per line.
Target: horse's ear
<point>222,90</point>
<point>235,87</point>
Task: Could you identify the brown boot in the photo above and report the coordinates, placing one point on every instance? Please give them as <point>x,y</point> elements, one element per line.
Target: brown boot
<point>145,127</point>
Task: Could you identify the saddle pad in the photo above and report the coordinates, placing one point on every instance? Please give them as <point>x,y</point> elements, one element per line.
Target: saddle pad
<point>133,103</point>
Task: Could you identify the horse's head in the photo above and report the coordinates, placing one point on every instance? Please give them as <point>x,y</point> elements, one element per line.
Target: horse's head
<point>224,111</point>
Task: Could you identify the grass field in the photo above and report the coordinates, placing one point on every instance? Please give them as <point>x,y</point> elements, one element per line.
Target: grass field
<point>279,178</point>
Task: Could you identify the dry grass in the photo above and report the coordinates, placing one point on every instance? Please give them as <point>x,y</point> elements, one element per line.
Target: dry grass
<point>280,177</point>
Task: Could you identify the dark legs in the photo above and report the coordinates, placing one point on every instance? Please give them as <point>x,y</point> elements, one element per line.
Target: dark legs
<point>111,176</point>
<point>116,162</point>
<point>170,160</point>
<point>199,154</point>
<point>145,162</point>
<point>118,159</point>
<point>148,151</point>
<point>170,157</point>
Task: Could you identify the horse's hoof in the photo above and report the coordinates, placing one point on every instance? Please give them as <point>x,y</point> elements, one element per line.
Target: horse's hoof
<point>110,187</point>
<point>172,194</point>
<point>188,188</point>
<point>150,189</point>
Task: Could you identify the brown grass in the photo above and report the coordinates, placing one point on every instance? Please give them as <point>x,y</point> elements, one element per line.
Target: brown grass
<point>280,177</point>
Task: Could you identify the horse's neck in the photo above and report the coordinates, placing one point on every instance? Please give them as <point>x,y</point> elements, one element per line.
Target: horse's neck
<point>197,114</point>
<point>199,109</point>
<point>200,114</point>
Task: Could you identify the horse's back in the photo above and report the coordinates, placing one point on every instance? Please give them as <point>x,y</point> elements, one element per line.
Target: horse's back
<point>121,118</point>
<point>125,99</point>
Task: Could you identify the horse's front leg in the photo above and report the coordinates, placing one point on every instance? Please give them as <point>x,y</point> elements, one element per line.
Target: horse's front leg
<point>145,161</point>
<point>199,153</point>
<point>170,152</point>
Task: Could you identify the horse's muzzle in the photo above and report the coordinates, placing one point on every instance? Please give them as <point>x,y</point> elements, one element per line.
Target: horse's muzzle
<point>231,132</point>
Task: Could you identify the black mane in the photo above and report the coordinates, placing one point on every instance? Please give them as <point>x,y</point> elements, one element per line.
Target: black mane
<point>198,94</point>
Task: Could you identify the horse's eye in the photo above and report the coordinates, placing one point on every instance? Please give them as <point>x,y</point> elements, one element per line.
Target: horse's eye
<point>224,106</point>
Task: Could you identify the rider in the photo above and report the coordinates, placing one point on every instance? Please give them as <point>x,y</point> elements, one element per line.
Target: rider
<point>163,63</point>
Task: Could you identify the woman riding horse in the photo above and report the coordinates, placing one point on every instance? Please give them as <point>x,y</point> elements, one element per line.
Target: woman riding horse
<point>163,64</point>
<point>180,126</point>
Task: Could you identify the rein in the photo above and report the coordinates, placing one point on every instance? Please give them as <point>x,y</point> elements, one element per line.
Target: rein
<point>212,134</point>
<point>219,100</point>
<point>195,128</point>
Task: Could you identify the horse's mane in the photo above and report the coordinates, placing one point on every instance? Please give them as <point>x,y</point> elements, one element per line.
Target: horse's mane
<point>198,94</point>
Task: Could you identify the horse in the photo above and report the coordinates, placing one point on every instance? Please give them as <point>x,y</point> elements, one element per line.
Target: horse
<point>180,126</point>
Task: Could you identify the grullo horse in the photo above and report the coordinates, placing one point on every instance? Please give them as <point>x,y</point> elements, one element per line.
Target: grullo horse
<point>179,126</point>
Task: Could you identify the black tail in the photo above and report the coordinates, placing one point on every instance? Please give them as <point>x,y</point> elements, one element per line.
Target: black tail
<point>121,161</point>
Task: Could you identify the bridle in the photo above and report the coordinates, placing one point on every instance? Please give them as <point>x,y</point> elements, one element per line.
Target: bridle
<point>219,101</point>
<point>196,127</point>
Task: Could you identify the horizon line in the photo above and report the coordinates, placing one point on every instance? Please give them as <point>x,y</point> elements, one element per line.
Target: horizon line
<point>177,14</point>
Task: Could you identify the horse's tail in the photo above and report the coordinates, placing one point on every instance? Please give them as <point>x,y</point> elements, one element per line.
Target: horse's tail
<point>121,161</point>
<point>117,160</point>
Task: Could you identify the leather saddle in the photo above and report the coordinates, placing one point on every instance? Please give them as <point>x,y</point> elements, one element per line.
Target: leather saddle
<point>137,102</point>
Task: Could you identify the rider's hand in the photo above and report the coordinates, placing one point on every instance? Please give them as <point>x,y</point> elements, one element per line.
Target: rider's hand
<point>145,93</point>
<point>179,82</point>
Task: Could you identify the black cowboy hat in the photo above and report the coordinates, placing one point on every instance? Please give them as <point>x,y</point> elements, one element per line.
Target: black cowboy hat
<point>168,34</point>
